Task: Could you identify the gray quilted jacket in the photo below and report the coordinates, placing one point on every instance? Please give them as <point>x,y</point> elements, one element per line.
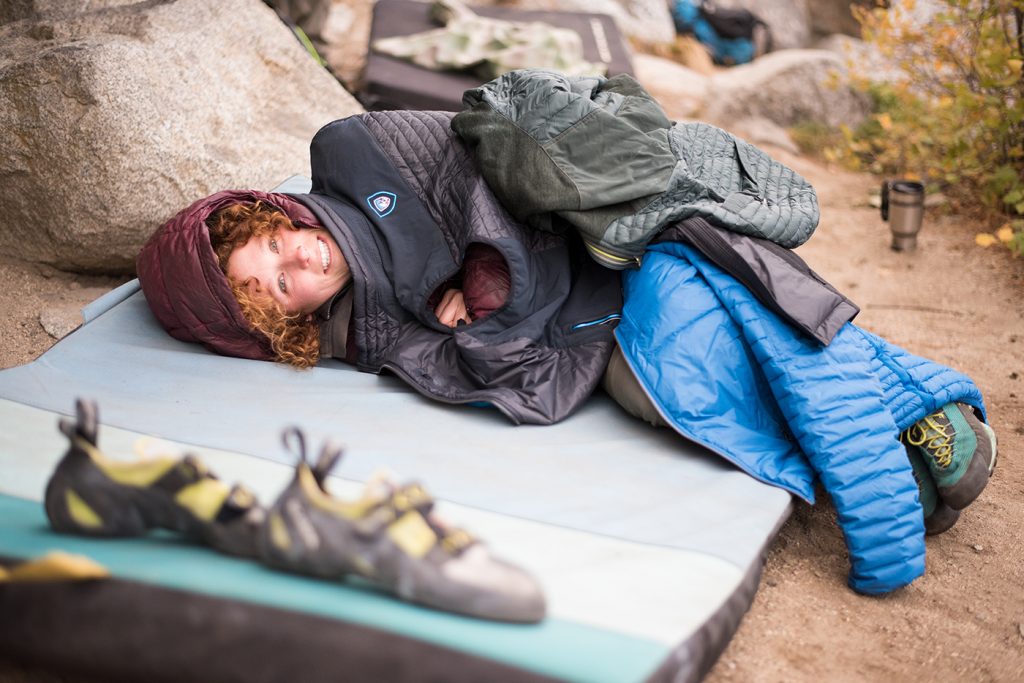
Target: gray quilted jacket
<point>402,197</point>
<point>600,155</point>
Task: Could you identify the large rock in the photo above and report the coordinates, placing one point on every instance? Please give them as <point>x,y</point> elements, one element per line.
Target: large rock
<point>116,116</point>
<point>787,87</point>
<point>648,21</point>
<point>760,131</point>
<point>836,16</point>
<point>16,10</point>
<point>864,59</point>
<point>680,90</point>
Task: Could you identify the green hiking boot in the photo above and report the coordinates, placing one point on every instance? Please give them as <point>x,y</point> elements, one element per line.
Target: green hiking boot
<point>391,537</point>
<point>938,516</point>
<point>959,451</point>
<point>92,495</point>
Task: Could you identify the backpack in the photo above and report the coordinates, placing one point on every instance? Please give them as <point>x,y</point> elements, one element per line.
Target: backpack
<point>733,36</point>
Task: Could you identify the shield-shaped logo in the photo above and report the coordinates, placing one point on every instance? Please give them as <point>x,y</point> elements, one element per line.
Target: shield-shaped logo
<point>382,203</point>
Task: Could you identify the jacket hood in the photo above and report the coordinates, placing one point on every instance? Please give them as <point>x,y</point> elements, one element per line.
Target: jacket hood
<point>185,287</point>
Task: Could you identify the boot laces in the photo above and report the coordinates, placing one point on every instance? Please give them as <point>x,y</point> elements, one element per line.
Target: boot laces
<point>934,436</point>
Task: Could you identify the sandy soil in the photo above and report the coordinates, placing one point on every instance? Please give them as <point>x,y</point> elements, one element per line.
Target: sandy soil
<point>33,293</point>
<point>949,300</point>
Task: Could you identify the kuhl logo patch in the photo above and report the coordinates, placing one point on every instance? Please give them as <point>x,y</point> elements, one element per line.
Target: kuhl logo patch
<point>382,203</point>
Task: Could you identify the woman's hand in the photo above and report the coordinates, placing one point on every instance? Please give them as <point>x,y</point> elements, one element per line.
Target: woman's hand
<point>452,308</point>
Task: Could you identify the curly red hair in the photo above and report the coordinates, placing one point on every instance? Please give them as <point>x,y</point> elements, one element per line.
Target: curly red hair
<point>294,338</point>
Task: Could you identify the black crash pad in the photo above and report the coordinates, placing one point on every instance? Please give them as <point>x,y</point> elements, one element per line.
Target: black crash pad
<point>391,83</point>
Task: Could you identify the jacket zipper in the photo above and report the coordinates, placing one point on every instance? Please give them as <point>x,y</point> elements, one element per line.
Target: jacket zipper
<point>611,259</point>
<point>600,321</point>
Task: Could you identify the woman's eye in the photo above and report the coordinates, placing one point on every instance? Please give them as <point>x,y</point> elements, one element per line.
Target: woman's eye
<point>281,285</point>
<point>273,245</point>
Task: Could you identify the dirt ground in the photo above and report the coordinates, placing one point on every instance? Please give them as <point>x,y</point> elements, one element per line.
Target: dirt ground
<point>950,301</point>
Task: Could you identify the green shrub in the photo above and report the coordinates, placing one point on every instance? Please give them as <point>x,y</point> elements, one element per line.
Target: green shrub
<point>953,115</point>
<point>811,137</point>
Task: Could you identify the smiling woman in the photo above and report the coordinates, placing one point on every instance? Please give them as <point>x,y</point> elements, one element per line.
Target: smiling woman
<point>300,269</point>
<point>290,279</point>
<point>264,253</point>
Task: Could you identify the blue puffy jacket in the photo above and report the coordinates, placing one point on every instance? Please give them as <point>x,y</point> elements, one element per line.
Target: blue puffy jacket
<point>730,375</point>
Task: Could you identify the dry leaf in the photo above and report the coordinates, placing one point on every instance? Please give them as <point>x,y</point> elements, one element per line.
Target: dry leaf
<point>984,239</point>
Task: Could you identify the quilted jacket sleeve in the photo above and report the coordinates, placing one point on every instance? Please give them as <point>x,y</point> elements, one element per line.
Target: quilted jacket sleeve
<point>548,143</point>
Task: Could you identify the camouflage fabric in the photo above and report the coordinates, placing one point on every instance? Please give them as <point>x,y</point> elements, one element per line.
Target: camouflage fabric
<point>490,47</point>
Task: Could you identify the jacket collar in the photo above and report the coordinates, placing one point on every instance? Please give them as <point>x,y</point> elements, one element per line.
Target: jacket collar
<point>328,307</point>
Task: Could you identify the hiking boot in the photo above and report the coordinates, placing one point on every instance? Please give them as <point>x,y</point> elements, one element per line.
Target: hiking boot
<point>938,516</point>
<point>959,450</point>
<point>92,495</point>
<point>391,537</point>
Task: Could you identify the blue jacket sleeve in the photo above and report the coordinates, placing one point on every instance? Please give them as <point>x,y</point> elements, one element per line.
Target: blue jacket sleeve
<point>836,409</point>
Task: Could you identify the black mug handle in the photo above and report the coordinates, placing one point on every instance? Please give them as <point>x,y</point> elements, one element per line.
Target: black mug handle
<point>885,200</point>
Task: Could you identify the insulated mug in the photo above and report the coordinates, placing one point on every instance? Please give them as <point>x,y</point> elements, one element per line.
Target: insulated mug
<point>903,207</point>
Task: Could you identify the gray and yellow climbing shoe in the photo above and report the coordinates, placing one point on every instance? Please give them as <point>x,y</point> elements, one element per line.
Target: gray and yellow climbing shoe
<point>938,517</point>
<point>93,495</point>
<point>959,450</point>
<point>391,537</point>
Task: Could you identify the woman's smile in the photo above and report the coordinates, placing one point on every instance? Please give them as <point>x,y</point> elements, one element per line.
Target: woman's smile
<point>300,269</point>
<point>325,254</point>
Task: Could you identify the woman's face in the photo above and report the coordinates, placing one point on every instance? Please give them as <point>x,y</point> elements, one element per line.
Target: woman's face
<point>301,269</point>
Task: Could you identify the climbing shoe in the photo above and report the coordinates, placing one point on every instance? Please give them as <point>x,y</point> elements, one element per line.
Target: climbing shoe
<point>938,516</point>
<point>55,566</point>
<point>959,451</point>
<point>391,537</point>
<point>93,495</point>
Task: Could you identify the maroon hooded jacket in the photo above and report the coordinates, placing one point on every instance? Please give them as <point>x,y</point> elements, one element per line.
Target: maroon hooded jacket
<point>204,311</point>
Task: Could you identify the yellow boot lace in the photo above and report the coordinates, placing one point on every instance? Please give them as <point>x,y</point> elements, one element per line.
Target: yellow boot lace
<point>935,437</point>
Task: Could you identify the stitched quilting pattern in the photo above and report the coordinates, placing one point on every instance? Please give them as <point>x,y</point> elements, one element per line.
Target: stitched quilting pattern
<point>730,183</point>
<point>438,168</point>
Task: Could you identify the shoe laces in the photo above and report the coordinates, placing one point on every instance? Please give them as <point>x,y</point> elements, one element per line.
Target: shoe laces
<point>934,435</point>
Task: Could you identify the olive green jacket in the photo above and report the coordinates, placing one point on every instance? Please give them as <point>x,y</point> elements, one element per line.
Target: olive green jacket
<point>600,155</point>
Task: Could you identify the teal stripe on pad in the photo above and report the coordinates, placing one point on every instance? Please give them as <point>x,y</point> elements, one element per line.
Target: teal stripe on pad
<point>556,648</point>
